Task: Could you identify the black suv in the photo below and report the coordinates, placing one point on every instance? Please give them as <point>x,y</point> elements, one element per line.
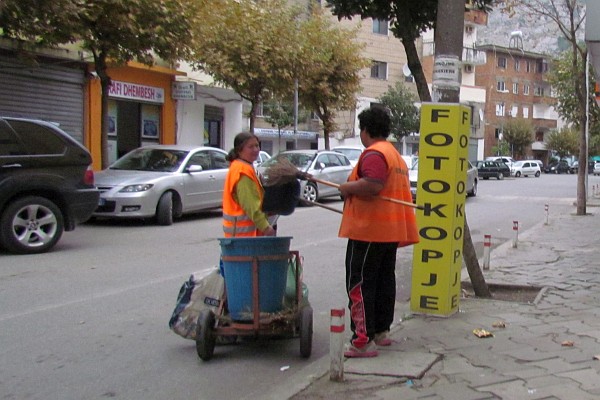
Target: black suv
<point>46,185</point>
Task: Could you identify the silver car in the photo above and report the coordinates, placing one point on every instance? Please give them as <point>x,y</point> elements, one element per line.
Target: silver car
<point>472,178</point>
<point>162,182</point>
<point>324,165</point>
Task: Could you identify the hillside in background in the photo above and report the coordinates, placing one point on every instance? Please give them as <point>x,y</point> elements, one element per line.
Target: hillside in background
<point>539,35</point>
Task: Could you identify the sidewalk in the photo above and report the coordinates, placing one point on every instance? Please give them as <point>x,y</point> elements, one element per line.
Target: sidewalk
<point>546,350</point>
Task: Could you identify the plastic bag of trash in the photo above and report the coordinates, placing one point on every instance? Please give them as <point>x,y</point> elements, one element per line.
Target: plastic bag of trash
<point>202,290</point>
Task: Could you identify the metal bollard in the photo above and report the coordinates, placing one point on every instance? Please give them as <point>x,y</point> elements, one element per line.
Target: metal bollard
<point>546,213</point>
<point>515,234</point>
<point>487,244</point>
<point>336,344</point>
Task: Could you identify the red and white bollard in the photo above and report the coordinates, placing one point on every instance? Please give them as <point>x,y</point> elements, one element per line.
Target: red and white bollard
<point>546,213</point>
<point>487,246</point>
<point>336,344</point>
<point>515,234</point>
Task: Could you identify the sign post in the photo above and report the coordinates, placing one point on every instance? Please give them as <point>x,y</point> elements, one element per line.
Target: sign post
<point>443,164</point>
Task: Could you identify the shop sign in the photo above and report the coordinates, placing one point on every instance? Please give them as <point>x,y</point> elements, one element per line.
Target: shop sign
<point>134,91</point>
<point>285,133</point>
<point>183,90</point>
<point>441,190</point>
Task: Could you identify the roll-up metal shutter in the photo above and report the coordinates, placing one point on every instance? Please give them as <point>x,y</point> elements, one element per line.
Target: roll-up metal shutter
<point>48,91</point>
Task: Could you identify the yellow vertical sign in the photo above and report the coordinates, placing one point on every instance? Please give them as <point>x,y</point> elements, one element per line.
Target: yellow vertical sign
<point>441,190</point>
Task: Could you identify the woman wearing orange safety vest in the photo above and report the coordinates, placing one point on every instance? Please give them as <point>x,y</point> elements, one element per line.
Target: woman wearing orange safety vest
<point>375,228</point>
<point>243,193</point>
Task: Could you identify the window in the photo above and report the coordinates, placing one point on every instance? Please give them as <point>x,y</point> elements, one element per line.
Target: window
<point>380,27</point>
<point>517,64</point>
<point>526,89</point>
<point>528,66</point>
<point>516,87</point>
<point>514,111</point>
<point>379,70</point>
<point>38,139</point>
<point>502,62</point>
<point>538,91</point>
<point>497,133</point>
<point>542,66</point>
<point>500,107</point>
<point>525,112</point>
<point>501,85</point>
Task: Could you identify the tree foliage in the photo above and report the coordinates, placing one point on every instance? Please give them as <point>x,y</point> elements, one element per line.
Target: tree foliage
<point>329,73</point>
<point>409,19</point>
<point>249,46</point>
<point>564,142</point>
<point>114,31</point>
<point>518,133</point>
<point>404,115</point>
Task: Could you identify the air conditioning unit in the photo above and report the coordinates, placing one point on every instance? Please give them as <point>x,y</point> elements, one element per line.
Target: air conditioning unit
<point>469,29</point>
<point>468,68</point>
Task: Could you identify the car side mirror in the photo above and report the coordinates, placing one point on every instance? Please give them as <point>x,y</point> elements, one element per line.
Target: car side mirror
<point>321,165</point>
<point>194,168</point>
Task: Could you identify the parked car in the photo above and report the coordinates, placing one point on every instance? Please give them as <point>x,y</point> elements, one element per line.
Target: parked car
<point>504,159</point>
<point>47,185</point>
<point>325,165</point>
<point>492,169</point>
<point>525,168</point>
<point>575,167</point>
<point>262,157</point>
<point>472,178</point>
<point>596,170</point>
<point>162,182</point>
<point>558,167</point>
<point>353,153</point>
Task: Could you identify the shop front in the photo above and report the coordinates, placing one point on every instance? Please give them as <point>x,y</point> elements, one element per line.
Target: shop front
<point>141,110</point>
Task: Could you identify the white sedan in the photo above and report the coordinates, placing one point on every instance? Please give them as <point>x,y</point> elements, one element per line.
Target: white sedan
<point>162,182</point>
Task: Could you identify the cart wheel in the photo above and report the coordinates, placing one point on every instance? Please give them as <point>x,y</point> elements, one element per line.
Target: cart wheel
<point>205,335</point>
<point>306,331</point>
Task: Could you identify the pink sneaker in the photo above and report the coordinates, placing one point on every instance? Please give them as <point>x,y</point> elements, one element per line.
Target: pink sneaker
<point>382,339</point>
<point>368,350</point>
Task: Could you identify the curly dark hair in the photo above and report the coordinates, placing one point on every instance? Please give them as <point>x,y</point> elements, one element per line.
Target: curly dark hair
<point>376,121</point>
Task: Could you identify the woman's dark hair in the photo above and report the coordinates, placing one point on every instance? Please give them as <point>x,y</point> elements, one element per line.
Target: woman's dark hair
<point>238,144</point>
<point>376,121</point>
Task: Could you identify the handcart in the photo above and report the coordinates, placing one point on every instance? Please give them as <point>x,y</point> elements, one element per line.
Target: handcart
<point>295,319</point>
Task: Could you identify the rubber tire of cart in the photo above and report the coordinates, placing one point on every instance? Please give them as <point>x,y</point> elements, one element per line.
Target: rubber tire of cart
<point>205,335</point>
<point>306,331</point>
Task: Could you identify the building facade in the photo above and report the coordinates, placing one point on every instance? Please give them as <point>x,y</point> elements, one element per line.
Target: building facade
<point>517,87</point>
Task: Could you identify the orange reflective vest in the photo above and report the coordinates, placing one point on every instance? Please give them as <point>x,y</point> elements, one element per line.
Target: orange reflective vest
<point>370,219</point>
<point>235,222</point>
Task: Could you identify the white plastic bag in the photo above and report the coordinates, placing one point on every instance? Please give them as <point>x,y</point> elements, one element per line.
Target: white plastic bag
<point>204,289</point>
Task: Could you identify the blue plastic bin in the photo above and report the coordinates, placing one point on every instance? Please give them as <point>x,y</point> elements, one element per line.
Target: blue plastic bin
<point>272,274</point>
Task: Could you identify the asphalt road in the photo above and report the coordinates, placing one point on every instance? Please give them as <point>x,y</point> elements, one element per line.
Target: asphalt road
<point>89,320</point>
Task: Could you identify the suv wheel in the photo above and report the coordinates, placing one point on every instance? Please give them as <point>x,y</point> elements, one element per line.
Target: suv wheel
<point>31,225</point>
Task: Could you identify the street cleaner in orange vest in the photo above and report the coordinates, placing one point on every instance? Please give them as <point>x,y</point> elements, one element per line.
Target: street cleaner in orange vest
<point>375,228</point>
<point>243,193</point>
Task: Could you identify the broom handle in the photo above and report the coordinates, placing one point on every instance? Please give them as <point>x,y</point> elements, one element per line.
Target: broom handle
<point>314,203</point>
<point>397,201</point>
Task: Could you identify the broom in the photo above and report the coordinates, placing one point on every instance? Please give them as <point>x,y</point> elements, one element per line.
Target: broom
<point>283,171</point>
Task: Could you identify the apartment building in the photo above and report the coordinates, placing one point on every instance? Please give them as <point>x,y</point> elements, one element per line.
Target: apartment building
<point>517,87</point>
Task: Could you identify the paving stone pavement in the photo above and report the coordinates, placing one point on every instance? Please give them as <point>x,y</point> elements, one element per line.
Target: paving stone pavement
<point>548,349</point>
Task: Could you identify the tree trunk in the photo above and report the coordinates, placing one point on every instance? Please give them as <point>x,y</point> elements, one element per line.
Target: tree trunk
<point>416,69</point>
<point>105,82</point>
<point>581,89</point>
<point>480,287</point>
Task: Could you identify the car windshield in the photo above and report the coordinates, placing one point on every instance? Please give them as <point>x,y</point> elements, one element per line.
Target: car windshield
<point>150,159</point>
<point>299,160</point>
<point>352,154</point>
